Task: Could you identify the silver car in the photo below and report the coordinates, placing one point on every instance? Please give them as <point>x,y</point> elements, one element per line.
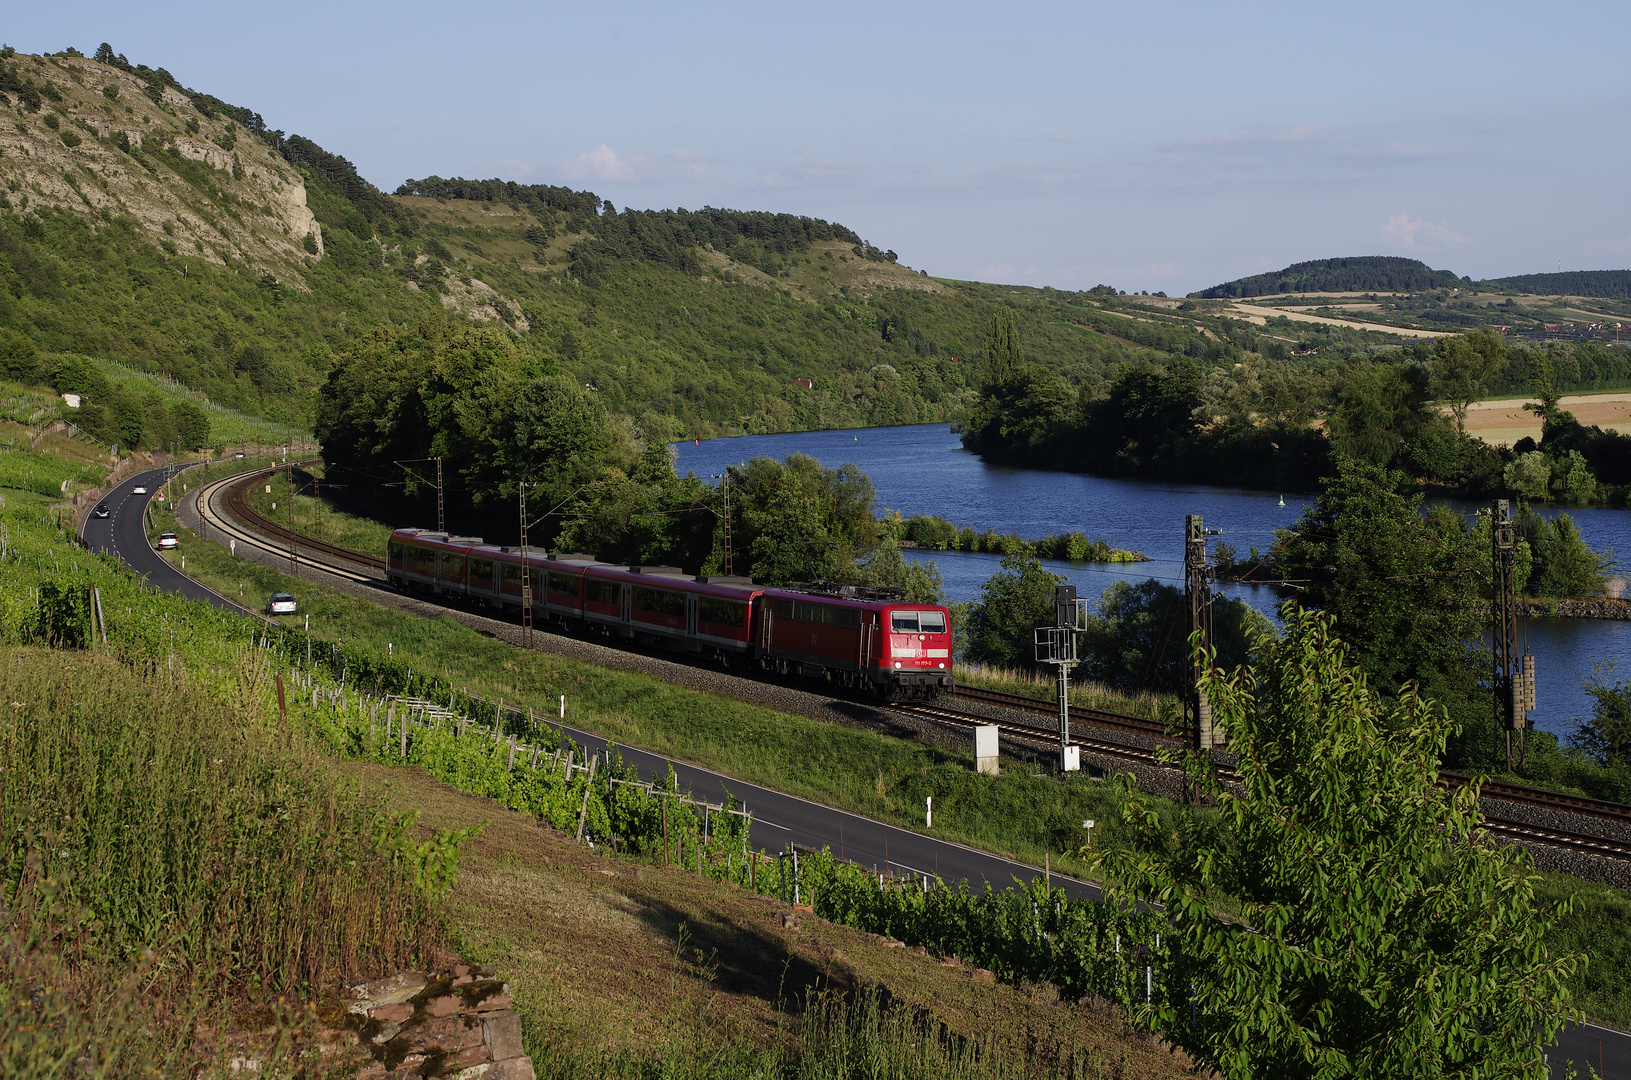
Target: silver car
<point>281,603</point>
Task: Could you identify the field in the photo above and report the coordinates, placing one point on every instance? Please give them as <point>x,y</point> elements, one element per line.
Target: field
<point>1504,422</point>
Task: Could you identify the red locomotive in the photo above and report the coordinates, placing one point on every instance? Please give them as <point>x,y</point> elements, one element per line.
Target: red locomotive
<point>891,647</point>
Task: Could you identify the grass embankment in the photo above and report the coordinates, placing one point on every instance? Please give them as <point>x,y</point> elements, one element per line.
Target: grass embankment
<point>626,968</point>
<point>184,865</point>
<point>1086,695</point>
<point>1024,813</point>
<point>314,514</point>
<point>179,863</point>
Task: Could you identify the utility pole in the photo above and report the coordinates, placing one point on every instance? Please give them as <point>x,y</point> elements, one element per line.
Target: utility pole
<point>1056,645</point>
<point>1513,678</point>
<point>1198,588</point>
<point>724,479</point>
<point>526,570</point>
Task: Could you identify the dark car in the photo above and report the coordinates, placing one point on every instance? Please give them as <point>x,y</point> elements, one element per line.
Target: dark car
<point>101,510</point>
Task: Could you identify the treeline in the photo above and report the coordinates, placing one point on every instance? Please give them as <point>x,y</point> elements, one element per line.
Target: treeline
<point>1608,284</point>
<point>1250,422</point>
<point>107,411</point>
<point>1367,273</point>
<point>674,237</point>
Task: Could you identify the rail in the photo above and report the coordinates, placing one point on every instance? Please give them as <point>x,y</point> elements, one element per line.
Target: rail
<point>237,500</point>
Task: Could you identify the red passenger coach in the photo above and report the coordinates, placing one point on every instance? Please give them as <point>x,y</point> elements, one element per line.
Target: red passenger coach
<point>862,639</point>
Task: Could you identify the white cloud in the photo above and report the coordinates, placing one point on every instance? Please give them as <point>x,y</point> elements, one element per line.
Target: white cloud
<point>604,165</point>
<point>1414,234</point>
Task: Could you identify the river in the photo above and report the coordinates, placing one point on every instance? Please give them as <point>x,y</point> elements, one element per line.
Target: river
<point>925,470</point>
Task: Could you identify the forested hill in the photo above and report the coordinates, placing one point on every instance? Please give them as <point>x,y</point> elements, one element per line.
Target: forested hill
<point>1366,273</point>
<point>1608,284</point>
<point>157,226</point>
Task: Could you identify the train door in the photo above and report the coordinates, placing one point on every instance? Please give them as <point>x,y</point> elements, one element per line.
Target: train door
<point>690,616</point>
<point>623,611</point>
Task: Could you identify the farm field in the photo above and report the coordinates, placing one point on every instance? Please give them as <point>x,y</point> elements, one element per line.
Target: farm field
<point>1504,422</point>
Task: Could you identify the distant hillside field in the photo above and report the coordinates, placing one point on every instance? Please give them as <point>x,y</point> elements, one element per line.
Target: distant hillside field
<point>1367,273</point>
<point>1608,284</point>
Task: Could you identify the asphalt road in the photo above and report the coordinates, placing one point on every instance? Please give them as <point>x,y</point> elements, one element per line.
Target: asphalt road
<point>778,819</point>
<point>123,534</point>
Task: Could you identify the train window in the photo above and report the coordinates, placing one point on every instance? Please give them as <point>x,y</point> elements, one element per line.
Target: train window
<point>481,571</point>
<point>722,613</point>
<point>903,622</point>
<point>814,612</point>
<point>931,622</point>
<point>601,592</point>
<point>395,550</point>
<point>512,575</point>
<point>452,565</point>
<point>658,601</point>
<point>564,585</point>
<point>423,560</point>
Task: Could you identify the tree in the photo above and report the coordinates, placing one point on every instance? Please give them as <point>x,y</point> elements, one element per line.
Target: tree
<point>191,424</point>
<point>1606,737</point>
<point>1530,476</point>
<point>1135,641</point>
<point>1563,564</point>
<point>1380,413</point>
<point>1012,604</point>
<point>1403,585</point>
<point>1381,931</point>
<point>799,521</point>
<point>1462,367</point>
<point>1003,357</point>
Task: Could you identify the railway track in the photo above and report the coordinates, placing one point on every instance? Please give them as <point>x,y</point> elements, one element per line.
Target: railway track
<point>260,531</point>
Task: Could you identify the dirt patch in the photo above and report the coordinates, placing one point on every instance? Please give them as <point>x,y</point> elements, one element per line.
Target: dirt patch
<point>614,953</point>
<point>1260,315</point>
<point>1503,423</point>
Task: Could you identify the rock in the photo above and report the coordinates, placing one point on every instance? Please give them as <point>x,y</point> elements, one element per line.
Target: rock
<point>389,991</point>
<point>482,971</point>
<point>501,1031</point>
<point>921,950</point>
<point>446,1005</point>
<point>442,1033</point>
<point>395,1012</point>
<point>464,980</point>
<point>473,1054</point>
<point>894,944</point>
<point>984,977</point>
<point>790,921</point>
<point>516,1068</point>
<point>386,1033</point>
<point>494,1002</point>
<point>460,970</point>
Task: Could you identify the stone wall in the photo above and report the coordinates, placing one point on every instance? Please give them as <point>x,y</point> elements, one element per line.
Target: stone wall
<point>461,1024</point>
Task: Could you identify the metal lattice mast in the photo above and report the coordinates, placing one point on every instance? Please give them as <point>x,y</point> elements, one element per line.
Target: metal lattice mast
<point>1512,678</point>
<point>1198,589</point>
<point>726,522</point>
<point>1056,645</point>
<point>526,568</point>
<point>441,520</point>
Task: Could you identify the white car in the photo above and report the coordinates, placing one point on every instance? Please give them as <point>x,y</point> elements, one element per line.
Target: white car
<point>281,603</point>
<point>168,542</point>
<point>139,489</point>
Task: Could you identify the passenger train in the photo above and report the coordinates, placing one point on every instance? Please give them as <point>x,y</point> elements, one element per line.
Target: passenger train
<point>896,649</point>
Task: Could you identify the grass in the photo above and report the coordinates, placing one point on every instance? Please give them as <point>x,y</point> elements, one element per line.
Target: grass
<point>624,968</point>
<point>317,515</point>
<point>1087,695</point>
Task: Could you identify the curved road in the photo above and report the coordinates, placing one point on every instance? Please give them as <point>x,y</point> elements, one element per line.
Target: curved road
<point>778,819</point>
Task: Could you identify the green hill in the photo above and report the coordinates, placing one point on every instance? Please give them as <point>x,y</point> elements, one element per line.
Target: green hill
<point>1607,284</point>
<point>1367,273</point>
<point>158,227</point>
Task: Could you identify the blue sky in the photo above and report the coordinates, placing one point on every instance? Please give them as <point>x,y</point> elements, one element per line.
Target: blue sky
<point>1160,147</point>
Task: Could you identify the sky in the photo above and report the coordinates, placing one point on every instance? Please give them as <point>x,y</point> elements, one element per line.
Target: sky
<point>1150,147</point>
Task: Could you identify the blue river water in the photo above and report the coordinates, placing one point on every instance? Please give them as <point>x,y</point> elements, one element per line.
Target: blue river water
<point>925,470</point>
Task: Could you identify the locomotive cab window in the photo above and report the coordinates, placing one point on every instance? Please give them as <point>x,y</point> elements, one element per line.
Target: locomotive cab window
<point>394,549</point>
<point>917,622</point>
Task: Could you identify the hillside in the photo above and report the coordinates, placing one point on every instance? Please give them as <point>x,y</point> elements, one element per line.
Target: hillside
<point>1368,273</point>
<point>158,227</point>
<point>1607,284</point>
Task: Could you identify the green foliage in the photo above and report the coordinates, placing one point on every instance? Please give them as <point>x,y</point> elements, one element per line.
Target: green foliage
<point>1606,737</point>
<point>1370,273</point>
<point>1001,624</point>
<point>1463,367</point>
<point>1398,584</point>
<point>1530,476</point>
<point>1610,284</point>
<point>1563,564</point>
<point>938,534</point>
<point>799,521</point>
<point>1003,358</point>
<point>1374,939</point>
<point>1135,641</point>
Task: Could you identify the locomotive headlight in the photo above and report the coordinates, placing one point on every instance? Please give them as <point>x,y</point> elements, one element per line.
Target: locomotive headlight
<point>940,665</point>
<point>897,663</point>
